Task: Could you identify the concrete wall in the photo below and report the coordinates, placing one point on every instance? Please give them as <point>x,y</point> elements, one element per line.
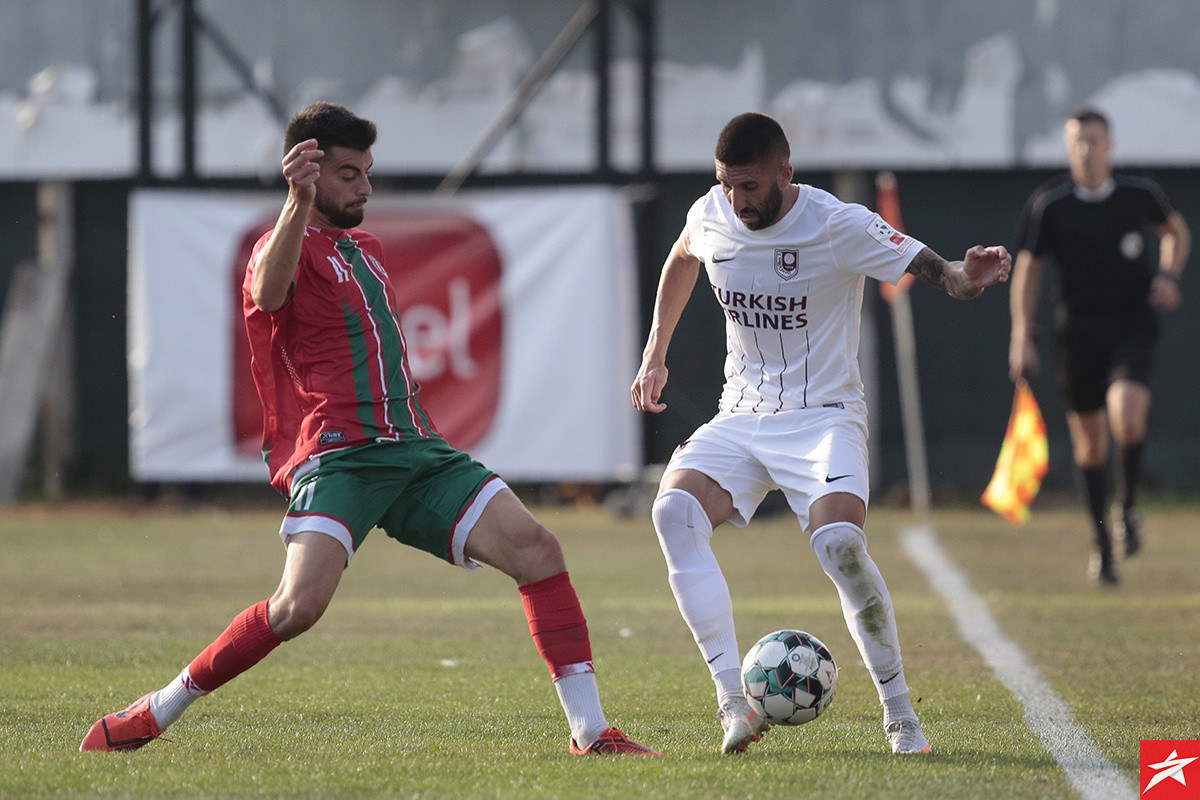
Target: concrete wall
<point>914,84</point>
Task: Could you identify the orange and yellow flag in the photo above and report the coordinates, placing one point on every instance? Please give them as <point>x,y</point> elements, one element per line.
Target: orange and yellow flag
<point>1024,459</point>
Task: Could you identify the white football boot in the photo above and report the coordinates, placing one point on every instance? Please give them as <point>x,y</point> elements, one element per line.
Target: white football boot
<point>906,737</point>
<point>741,725</point>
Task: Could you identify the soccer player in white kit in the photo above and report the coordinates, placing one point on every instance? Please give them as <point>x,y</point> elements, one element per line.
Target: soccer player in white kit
<point>787,263</point>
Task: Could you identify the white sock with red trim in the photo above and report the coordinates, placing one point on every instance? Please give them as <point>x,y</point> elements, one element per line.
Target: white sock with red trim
<point>580,697</point>
<point>168,703</point>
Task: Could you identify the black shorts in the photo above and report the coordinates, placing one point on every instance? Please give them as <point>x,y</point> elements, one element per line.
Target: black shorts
<point>1091,353</point>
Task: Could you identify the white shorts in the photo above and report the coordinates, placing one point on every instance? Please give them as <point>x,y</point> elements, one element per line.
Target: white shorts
<point>807,453</point>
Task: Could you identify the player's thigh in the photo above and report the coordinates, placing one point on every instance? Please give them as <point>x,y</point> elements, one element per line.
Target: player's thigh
<point>344,497</point>
<point>1083,354</point>
<point>1135,343</point>
<point>1128,395</point>
<point>311,573</point>
<point>716,451</point>
<point>442,504</point>
<point>508,537</point>
<point>818,458</point>
<point>837,507</point>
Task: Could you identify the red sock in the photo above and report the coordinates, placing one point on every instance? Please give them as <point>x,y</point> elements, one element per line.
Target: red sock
<point>558,626</point>
<point>244,643</point>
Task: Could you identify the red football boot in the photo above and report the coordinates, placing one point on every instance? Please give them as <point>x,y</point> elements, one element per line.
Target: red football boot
<point>124,730</point>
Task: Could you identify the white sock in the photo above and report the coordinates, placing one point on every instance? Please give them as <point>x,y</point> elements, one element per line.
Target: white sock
<point>684,533</point>
<point>866,605</point>
<point>580,698</point>
<point>729,686</point>
<point>898,707</point>
<point>168,703</point>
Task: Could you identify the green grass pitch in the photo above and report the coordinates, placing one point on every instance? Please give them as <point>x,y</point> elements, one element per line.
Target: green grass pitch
<point>421,680</point>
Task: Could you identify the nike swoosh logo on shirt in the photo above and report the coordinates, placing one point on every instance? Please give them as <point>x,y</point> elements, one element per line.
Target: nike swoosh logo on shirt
<point>722,260</point>
<point>832,478</point>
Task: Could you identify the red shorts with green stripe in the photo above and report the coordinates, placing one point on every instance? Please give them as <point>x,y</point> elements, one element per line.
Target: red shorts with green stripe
<point>421,492</point>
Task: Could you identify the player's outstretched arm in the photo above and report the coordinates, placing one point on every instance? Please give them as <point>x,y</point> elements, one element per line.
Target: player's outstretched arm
<point>962,280</point>
<point>679,275</point>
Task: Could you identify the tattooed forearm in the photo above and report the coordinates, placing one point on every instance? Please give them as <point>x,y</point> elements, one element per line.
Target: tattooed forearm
<point>936,271</point>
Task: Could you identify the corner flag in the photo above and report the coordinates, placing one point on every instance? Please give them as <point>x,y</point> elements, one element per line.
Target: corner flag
<point>1024,459</point>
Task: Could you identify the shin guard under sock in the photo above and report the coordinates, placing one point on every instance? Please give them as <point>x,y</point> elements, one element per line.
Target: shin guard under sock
<point>557,624</point>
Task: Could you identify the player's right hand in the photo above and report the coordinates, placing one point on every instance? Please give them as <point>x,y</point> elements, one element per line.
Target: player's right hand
<point>302,167</point>
<point>647,388</point>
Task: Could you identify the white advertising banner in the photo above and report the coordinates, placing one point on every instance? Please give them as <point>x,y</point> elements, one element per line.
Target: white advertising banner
<point>519,308</point>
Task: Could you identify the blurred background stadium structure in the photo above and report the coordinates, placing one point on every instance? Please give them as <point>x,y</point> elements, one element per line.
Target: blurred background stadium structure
<point>964,101</point>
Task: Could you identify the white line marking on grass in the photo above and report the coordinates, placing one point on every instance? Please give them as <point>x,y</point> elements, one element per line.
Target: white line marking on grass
<point>1092,775</point>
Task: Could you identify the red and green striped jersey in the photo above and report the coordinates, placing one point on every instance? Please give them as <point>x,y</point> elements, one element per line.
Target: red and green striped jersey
<point>330,365</point>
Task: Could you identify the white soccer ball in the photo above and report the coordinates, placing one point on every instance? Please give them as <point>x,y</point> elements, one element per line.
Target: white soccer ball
<point>790,677</point>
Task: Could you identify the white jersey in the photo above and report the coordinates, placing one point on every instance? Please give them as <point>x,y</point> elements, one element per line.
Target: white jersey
<point>792,296</point>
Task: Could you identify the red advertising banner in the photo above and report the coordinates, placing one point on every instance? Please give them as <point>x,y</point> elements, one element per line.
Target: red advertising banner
<point>519,310</point>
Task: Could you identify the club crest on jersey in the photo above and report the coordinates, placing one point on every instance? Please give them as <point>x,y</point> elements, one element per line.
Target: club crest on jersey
<point>1132,245</point>
<point>787,262</point>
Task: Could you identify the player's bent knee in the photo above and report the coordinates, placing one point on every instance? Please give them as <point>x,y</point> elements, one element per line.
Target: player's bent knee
<point>838,544</point>
<point>675,509</point>
<point>291,616</point>
<point>544,545</point>
<point>532,554</point>
<point>683,529</point>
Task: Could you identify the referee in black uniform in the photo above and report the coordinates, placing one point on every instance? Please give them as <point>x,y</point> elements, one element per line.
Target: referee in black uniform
<point>1119,249</point>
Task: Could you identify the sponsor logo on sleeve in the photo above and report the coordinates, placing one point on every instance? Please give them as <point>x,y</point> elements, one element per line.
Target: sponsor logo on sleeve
<point>888,236</point>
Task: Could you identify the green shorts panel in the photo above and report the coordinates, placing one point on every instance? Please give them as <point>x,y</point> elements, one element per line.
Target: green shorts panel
<point>415,490</point>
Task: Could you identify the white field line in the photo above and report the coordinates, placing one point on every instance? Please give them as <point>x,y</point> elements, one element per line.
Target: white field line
<point>1092,775</point>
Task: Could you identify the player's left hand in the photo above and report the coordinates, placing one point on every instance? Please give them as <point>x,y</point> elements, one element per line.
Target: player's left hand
<point>984,266</point>
<point>1164,292</point>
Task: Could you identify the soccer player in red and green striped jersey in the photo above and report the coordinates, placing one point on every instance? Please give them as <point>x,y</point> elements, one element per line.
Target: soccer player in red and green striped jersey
<point>346,439</point>
<point>330,362</point>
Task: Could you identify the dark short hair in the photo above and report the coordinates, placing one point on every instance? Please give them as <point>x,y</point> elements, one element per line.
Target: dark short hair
<point>332,126</point>
<point>752,137</point>
<point>1086,114</point>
